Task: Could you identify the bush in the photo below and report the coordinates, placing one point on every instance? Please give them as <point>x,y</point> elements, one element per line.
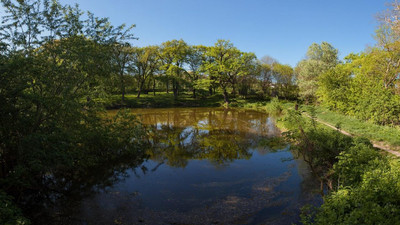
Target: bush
<point>274,106</point>
<point>10,214</point>
<point>375,201</point>
<point>354,161</point>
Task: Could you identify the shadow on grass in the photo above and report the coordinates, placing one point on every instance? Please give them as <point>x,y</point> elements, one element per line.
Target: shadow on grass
<point>164,100</point>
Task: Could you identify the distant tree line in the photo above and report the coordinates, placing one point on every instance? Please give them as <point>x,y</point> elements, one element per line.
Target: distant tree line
<point>174,66</point>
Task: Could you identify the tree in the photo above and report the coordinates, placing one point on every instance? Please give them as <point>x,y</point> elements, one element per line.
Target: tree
<point>242,67</point>
<point>225,63</point>
<point>122,58</point>
<point>174,56</point>
<point>388,46</point>
<point>284,78</point>
<point>195,60</point>
<point>53,58</point>
<point>319,59</point>
<point>334,87</point>
<point>145,63</point>
<point>220,56</point>
<point>265,73</point>
<point>357,88</point>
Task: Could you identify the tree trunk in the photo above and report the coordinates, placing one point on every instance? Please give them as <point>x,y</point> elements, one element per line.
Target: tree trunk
<point>226,97</point>
<point>194,93</point>
<point>167,86</point>
<point>175,93</point>
<point>140,89</point>
<point>154,87</point>
<point>234,89</point>
<point>122,88</point>
<point>175,89</point>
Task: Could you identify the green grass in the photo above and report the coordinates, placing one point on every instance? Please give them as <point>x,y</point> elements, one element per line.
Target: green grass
<point>387,134</point>
<point>164,100</point>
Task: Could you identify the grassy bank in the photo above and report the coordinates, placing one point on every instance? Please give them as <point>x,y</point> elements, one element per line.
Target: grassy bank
<point>386,134</point>
<point>374,132</point>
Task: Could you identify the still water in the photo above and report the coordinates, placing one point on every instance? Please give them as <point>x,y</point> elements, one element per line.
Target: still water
<point>205,166</point>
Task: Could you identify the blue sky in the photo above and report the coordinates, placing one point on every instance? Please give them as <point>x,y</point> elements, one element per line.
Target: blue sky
<point>282,29</point>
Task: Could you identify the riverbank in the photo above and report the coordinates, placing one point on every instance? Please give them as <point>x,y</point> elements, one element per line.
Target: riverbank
<point>383,137</point>
<point>360,185</point>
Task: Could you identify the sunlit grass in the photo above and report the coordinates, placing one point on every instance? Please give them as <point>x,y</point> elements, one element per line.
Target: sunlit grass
<point>387,134</point>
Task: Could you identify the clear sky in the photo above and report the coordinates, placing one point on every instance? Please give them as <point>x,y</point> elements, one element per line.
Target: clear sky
<point>282,29</point>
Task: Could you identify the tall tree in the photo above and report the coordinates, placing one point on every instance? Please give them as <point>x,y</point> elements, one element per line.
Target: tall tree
<point>195,60</point>
<point>319,59</point>
<point>122,58</point>
<point>174,57</point>
<point>265,73</point>
<point>52,57</point>
<point>284,80</point>
<point>225,63</point>
<point>145,63</point>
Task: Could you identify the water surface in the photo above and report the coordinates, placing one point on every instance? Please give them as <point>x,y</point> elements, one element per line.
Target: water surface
<point>205,166</point>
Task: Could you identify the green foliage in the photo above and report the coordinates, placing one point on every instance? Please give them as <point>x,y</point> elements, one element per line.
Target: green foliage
<point>52,70</point>
<point>358,127</point>
<point>363,183</point>
<point>359,88</point>
<point>353,163</point>
<point>225,64</point>
<point>284,81</point>
<point>145,63</point>
<point>174,55</point>
<point>318,147</point>
<point>320,58</point>
<point>374,201</point>
<point>274,106</point>
<point>10,214</point>
<point>333,90</point>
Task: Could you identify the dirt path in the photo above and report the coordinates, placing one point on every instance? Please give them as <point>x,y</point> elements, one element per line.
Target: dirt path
<point>376,144</point>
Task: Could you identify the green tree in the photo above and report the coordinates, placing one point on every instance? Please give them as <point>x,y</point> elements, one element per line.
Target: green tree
<point>334,88</point>
<point>284,80</point>
<point>319,59</point>
<point>265,74</point>
<point>195,60</point>
<point>145,63</point>
<point>225,63</point>
<point>54,66</point>
<point>122,57</point>
<point>174,57</point>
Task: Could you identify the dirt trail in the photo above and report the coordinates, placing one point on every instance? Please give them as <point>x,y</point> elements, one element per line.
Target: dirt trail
<point>376,144</point>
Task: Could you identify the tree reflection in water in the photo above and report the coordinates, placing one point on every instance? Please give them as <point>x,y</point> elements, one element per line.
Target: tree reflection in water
<point>202,166</point>
<point>218,135</point>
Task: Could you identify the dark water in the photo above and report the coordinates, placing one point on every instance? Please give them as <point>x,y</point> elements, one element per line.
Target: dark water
<point>205,166</point>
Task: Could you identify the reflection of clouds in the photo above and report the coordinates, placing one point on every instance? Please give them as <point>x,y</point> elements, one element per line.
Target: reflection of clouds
<point>218,135</point>
<point>251,122</point>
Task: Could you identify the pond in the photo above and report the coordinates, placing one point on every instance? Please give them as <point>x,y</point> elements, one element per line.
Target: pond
<point>204,166</point>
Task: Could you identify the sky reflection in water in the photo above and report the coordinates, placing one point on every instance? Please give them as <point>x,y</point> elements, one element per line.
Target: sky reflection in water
<point>207,166</point>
